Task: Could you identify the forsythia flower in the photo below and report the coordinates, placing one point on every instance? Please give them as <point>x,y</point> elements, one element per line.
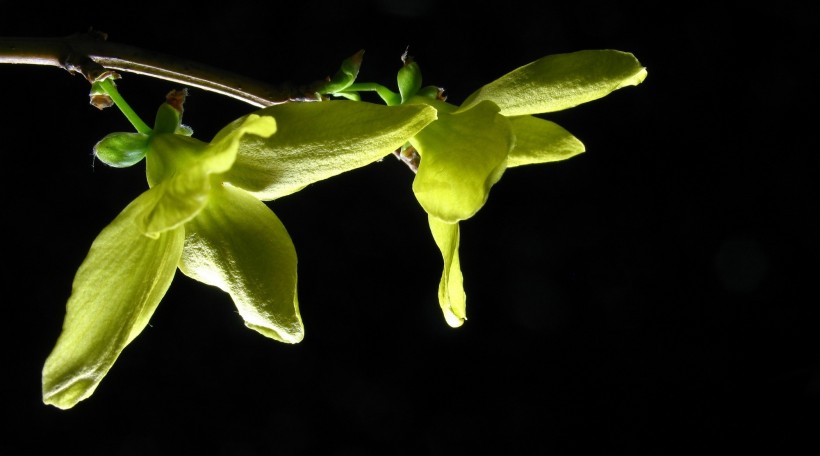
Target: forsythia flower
<point>204,214</point>
<point>468,148</point>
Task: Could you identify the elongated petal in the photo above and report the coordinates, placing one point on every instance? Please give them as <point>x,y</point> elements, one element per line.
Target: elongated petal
<point>319,140</point>
<point>541,141</point>
<point>115,292</point>
<point>462,156</point>
<point>237,244</point>
<point>451,294</point>
<point>560,81</point>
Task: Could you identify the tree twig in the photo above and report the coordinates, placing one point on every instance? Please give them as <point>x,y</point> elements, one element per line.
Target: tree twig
<point>90,54</point>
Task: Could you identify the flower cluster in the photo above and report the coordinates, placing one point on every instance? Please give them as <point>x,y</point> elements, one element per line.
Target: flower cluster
<point>204,215</point>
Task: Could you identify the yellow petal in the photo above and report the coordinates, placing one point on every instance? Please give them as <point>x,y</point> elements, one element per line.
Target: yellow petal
<point>319,140</point>
<point>115,292</point>
<point>560,81</point>
<point>236,243</point>
<point>462,156</point>
<point>541,141</point>
<point>451,296</point>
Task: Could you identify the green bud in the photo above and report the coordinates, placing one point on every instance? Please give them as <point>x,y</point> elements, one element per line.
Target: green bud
<point>346,75</point>
<point>167,120</point>
<point>432,92</point>
<point>122,150</point>
<point>409,80</point>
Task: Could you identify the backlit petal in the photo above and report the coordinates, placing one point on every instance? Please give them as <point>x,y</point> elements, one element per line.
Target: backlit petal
<point>180,168</point>
<point>236,243</point>
<point>541,141</point>
<point>115,292</point>
<point>451,294</point>
<point>319,140</point>
<point>462,156</point>
<point>560,81</point>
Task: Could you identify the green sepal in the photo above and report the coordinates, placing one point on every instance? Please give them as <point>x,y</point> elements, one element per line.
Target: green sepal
<point>238,245</point>
<point>463,154</point>
<point>560,81</point>
<point>122,150</point>
<point>409,80</point>
<point>316,141</point>
<point>451,295</point>
<point>114,293</point>
<point>541,141</point>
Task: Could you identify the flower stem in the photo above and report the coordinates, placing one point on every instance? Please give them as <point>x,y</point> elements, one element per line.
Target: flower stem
<point>390,98</point>
<point>108,86</point>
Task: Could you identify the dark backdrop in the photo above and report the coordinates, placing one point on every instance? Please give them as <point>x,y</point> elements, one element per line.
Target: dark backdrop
<point>651,296</point>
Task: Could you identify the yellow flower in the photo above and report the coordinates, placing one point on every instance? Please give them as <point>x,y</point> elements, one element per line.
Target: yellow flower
<point>204,214</point>
<point>469,147</point>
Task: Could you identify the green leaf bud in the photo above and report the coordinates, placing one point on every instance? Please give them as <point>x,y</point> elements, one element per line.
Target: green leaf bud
<point>122,150</point>
<point>167,120</point>
<point>432,92</point>
<point>409,79</point>
<point>345,76</point>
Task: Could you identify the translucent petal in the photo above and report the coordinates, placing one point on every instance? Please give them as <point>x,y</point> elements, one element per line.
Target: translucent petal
<point>222,153</point>
<point>541,141</point>
<point>115,292</point>
<point>175,201</point>
<point>170,154</point>
<point>451,294</point>
<point>182,167</point>
<point>462,156</point>
<point>560,81</point>
<point>237,244</point>
<point>319,140</point>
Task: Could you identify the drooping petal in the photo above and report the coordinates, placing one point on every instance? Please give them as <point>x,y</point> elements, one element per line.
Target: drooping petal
<point>319,140</point>
<point>561,81</point>
<point>541,141</point>
<point>238,245</point>
<point>462,155</point>
<point>115,292</point>
<point>451,294</point>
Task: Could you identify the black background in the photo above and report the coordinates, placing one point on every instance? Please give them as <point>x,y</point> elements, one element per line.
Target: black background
<point>654,295</point>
